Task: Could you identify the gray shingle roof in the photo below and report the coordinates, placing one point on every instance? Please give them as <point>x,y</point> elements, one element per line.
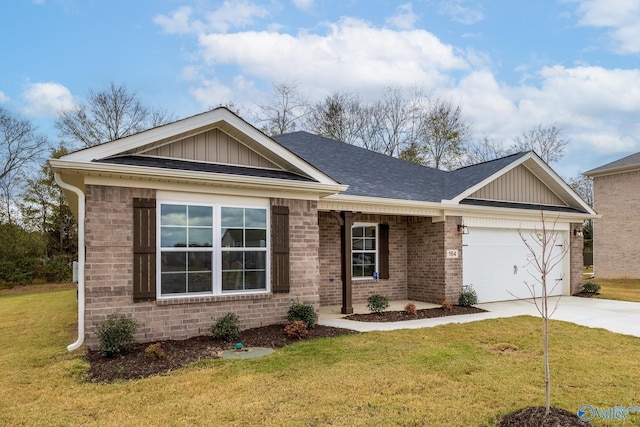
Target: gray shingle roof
<point>367,173</point>
<point>202,167</point>
<point>624,163</point>
<point>376,175</point>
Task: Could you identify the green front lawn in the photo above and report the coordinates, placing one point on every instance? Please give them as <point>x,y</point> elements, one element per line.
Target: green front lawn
<point>452,375</point>
<point>619,289</point>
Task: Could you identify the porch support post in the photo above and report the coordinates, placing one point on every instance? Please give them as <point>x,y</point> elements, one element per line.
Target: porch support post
<point>347,221</point>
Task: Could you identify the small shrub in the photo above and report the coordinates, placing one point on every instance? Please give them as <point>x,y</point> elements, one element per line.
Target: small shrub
<point>296,329</point>
<point>590,287</point>
<point>116,335</point>
<point>446,305</point>
<point>226,328</point>
<point>411,309</point>
<point>302,311</point>
<point>377,303</point>
<point>154,351</point>
<point>468,296</point>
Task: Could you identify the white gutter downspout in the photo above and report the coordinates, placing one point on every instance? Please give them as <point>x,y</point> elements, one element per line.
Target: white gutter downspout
<point>81,256</point>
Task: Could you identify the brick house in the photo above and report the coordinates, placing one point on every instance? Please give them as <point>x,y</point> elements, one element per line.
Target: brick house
<point>185,222</point>
<point>616,237</point>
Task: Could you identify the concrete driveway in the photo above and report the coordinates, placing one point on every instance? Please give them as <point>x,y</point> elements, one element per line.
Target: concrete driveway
<point>616,316</point>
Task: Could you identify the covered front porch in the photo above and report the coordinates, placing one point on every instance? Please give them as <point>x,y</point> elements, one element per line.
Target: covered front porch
<point>402,257</point>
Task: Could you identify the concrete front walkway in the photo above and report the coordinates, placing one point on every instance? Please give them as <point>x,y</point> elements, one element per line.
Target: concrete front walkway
<point>616,316</point>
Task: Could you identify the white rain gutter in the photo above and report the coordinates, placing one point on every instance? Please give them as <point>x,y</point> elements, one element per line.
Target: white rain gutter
<point>81,256</point>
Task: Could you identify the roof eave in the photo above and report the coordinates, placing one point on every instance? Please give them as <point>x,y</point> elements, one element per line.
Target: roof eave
<point>165,175</point>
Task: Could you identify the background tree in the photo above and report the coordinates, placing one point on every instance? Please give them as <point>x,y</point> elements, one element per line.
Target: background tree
<point>583,186</point>
<point>107,115</point>
<point>390,124</point>
<point>484,150</point>
<point>442,134</point>
<point>544,140</point>
<point>20,145</point>
<point>339,116</point>
<point>286,111</point>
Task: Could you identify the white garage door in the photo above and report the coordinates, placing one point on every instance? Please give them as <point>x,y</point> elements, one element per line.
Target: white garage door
<point>496,263</point>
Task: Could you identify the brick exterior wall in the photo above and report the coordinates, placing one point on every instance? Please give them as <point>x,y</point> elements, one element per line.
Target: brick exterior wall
<point>434,277</point>
<point>109,271</point>
<point>576,259</point>
<point>394,288</point>
<point>616,236</point>
<point>418,267</point>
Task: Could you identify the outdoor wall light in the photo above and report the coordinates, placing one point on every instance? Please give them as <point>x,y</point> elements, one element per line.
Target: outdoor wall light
<point>463,229</point>
<point>577,232</point>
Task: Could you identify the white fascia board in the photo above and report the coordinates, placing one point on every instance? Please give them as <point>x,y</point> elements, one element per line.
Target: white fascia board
<point>126,172</point>
<point>418,208</point>
<point>191,124</point>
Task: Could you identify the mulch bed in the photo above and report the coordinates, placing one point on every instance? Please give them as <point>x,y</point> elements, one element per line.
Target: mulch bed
<point>586,294</point>
<point>424,313</point>
<point>136,363</point>
<point>533,416</point>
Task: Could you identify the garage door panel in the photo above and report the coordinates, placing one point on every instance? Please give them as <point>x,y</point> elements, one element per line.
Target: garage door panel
<point>497,264</point>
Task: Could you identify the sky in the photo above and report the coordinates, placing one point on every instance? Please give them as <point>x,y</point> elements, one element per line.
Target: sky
<point>510,64</point>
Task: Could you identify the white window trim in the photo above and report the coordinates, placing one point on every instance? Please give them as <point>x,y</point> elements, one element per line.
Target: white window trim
<point>216,202</point>
<point>365,224</point>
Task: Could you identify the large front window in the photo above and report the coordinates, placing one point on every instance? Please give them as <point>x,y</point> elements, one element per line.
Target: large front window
<point>364,250</point>
<point>212,249</point>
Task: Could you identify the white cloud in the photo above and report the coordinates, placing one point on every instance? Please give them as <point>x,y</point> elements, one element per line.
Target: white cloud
<point>352,54</point>
<point>405,18</point>
<point>303,4</point>
<point>459,12</point>
<point>3,97</point>
<point>621,17</point>
<point>46,99</point>
<point>231,14</point>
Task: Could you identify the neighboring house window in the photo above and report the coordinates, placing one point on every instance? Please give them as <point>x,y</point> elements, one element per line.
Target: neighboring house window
<point>212,249</point>
<point>364,250</point>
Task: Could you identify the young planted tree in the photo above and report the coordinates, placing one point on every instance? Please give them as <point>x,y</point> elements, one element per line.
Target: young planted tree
<point>544,257</point>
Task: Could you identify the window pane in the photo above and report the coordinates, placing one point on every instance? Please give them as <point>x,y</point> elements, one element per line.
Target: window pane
<point>173,215</point>
<point>255,218</point>
<point>232,260</point>
<point>255,280</point>
<point>232,217</point>
<point>173,283</point>
<point>370,231</point>
<point>255,260</point>
<point>200,282</point>
<point>256,238</point>
<point>357,231</point>
<point>200,237</point>
<point>370,244</point>
<point>232,281</point>
<point>368,270</point>
<point>232,238</point>
<point>173,261</point>
<point>357,271</point>
<point>173,237</point>
<point>200,261</point>
<point>200,216</point>
<point>358,244</point>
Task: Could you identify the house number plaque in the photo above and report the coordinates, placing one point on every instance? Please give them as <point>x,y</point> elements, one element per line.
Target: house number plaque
<point>452,253</point>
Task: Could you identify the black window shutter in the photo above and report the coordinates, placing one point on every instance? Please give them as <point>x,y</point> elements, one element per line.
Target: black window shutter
<point>144,249</point>
<point>383,249</point>
<point>279,249</point>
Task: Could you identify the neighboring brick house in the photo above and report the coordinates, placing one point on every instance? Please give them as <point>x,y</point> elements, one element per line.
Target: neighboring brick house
<point>616,235</point>
<point>187,221</point>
